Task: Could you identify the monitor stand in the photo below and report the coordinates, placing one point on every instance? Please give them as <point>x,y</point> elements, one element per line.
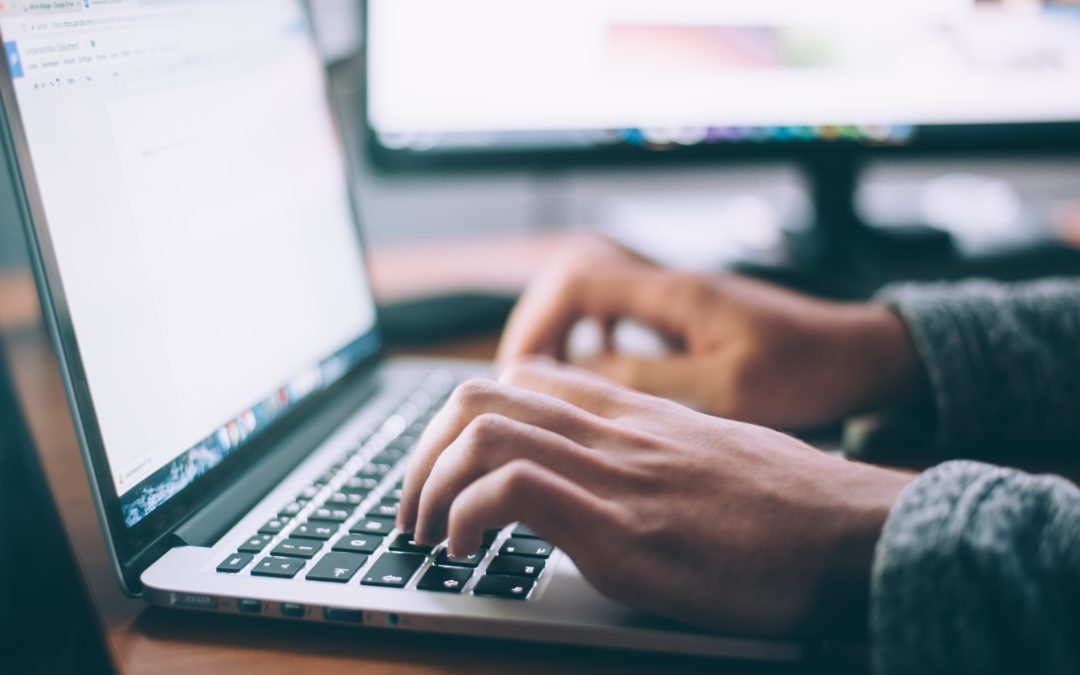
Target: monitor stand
<point>843,256</point>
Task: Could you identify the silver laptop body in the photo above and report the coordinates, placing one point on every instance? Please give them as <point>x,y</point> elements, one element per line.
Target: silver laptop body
<point>193,236</point>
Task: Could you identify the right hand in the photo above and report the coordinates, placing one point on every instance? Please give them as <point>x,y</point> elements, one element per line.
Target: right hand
<point>712,522</point>
<point>747,350</point>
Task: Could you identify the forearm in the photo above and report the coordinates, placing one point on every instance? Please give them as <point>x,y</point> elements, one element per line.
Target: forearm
<point>978,570</point>
<point>1001,361</point>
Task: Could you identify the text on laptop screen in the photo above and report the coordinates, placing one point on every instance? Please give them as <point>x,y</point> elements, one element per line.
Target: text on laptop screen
<point>196,196</point>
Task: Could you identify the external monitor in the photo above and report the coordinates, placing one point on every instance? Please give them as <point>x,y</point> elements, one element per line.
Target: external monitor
<point>481,78</point>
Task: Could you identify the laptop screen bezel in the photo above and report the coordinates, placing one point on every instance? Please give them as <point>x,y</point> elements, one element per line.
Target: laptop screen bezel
<point>129,547</point>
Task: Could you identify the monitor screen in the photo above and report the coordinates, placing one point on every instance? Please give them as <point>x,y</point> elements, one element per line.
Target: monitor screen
<point>491,74</point>
<point>195,194</point>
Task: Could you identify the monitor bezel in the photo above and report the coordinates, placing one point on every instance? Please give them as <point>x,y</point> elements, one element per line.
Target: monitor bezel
<point>132,549</point>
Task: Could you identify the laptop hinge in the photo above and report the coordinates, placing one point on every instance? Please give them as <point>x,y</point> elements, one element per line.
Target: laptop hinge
<point>211,521</point>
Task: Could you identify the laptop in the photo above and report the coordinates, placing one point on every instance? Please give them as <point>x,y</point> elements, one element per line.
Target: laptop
<point>193,232</point>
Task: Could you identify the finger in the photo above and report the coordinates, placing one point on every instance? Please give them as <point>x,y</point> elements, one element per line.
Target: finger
<point>556,508</point>
<point>541,320</point>
<point>545,314</point>
<point>576,386</point>
<point>673,377</point>
<point>488,443</point>
<point>477,397</point>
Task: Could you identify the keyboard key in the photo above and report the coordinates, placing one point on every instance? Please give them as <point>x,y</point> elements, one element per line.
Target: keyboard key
<point>315,529</point>
<point>297,548</point>
<point>390,456</point>
<point>386,509</point>
<point>393,570</point>
<point>235,563</point>
<point>274,526</point>
<point>360,485</point>
<point>512,565</point>
<point>374,470</point>
<point>444,579</point>
<point>396,450</point>
<point>333,515</point>
<point>504,587</point>
<point>357,543</point>
<point>489,538</point>
<point>405,544</point>
<point>337,567</point>
<point>255,544</point>
<point>522,531</point>
<point>533,548</point>
<point>290,510</point>
<point>284,568</point>
<point>308,493</point>
<point>394,494</point>
<point>344,500</point>
<point>371,525</point>
<point>471,560</point>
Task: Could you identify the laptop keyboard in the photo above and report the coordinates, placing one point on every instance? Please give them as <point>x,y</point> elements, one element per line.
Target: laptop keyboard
<point>340,529</point>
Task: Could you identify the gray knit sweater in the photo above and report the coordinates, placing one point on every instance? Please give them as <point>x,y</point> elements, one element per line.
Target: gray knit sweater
<point>978,567</point>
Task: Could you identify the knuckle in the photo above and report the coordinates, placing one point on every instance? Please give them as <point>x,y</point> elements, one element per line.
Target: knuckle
<point>518,478</point>
<point>484,430</point>
<point>472,393</point>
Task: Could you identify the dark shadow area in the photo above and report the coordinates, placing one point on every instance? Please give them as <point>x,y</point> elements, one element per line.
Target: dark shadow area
<point>434,651</point>
<point>47,621</point>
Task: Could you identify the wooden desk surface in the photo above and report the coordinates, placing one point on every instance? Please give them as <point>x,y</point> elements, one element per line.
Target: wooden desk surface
<point>143,639</point>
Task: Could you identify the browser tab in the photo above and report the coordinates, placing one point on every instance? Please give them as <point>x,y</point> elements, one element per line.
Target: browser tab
<point>50,6</point>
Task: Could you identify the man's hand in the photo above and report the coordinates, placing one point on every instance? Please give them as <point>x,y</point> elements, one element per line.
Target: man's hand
<point>717,523</point>
<point>745,349</point>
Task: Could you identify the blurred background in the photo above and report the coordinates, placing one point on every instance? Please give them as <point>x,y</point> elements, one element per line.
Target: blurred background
<point>660,176</point>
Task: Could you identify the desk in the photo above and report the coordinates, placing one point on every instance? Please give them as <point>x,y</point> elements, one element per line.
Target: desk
<point>143,639</point>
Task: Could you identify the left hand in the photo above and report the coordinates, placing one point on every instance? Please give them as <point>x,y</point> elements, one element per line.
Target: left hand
<point>716,523</point>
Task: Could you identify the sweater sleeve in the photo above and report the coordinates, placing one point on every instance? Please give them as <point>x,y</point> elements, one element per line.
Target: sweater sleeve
<point>1003,361</point>
<point>978,571</point>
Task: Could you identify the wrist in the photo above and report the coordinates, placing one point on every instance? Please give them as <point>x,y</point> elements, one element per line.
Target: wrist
<point>841,604</point>
<point>881,355</point>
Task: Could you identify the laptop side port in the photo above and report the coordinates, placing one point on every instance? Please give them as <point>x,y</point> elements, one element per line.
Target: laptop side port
<point>249,606</point>
<point>194,601</point>
<point>292,610</point>
<point>344,615</point>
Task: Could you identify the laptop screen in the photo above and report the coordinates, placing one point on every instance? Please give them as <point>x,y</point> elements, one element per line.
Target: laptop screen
<point>196,198</point>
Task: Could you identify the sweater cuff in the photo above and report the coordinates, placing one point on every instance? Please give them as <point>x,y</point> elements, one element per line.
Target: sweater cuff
<point>951,353</point>
<point>975,572</point>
